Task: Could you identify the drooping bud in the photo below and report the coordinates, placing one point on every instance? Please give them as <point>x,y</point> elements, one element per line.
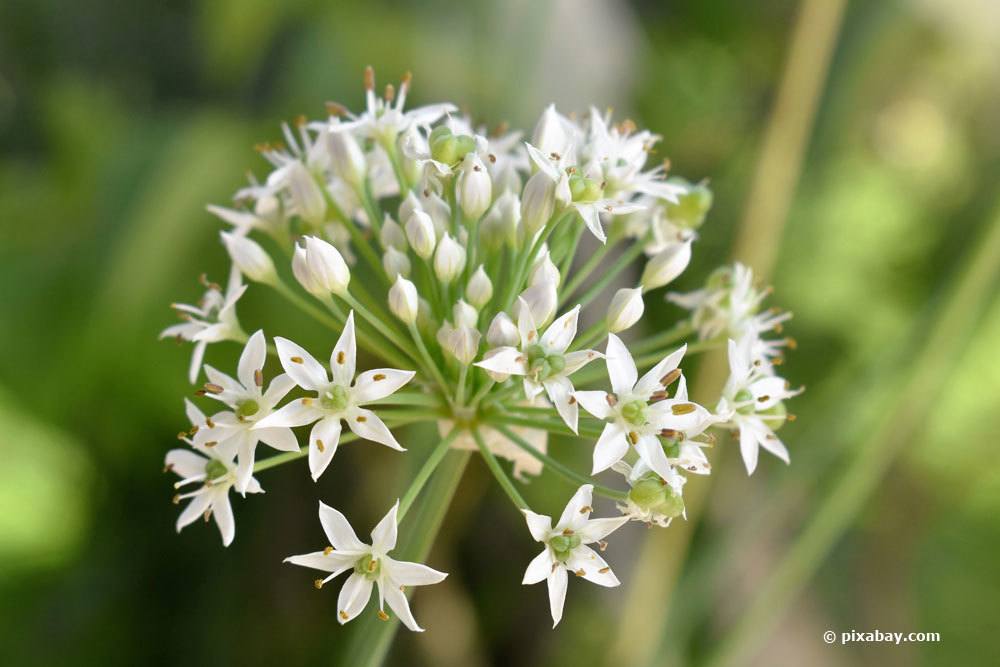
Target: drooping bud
<point>541,300</point>
<point>392,235</point>
<point>320,268</point>
<point>544,271</point>
<point>625,309</point>
<point>396,263</point>
<point>480,288</point>
<point>346,156</point>
<point>403,300</point>
<point>538,202</point>
<point>306,195</point>
<point>449,259</point>
<point>502,332</point>
<point>420,233</point>
<point>666,265</point>
<point>252,260</point>
<point>473,188</point>
<point>464,314</point>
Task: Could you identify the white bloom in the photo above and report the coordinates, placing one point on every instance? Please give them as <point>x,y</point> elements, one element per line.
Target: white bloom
<point>666,265</point>
<point>554,133</point>
<point>337,399</point>
<point>544,362</point>
<point>211,321</point>
<point>346,156</point>
<point>566,549</point>
<point>249,404</point>
<point>213,468</point>
<point>305,193</point>
<point>252,260</point>
<point>266,216</point>
<point>449,259</point>
<point>625,309</point>
<point>384,120</point>
<point>320,268</point>
<point>473,188</point>
<point>752,402</point>
<point>480,288</point>
<point>371,567</point>
<point>403,300</point>
<point>639,409</point>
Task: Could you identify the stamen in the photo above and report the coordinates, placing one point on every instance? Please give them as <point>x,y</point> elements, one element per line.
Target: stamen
<point>567,532</point>
<point>301,121</point>
<point>258,377</point>
<point>341,357</point>
<point>580,572</point>
<point>659,396</point>
<point>390,92</point>
<point>633,437</point>
<point>763,399</point>
<point>378,377</point>
<point>572,400</point>
<point>344,615</point>
<point>670,433</point>
<point>336,109</point>
<point>382,616</point>
<point>369,78</point>
<point>320,446</point>
<point>318,584</point>
<point>602,545</point>
<point>585,509</point>
<point>211,443</point>
<point>670,377</point>
<point>306,402</point>
<point>296,360</point>
<point>327,551</point>
<point>683,408</point>
<point>209,423</point>
<point>604,570</point>
<point>611,399</point>
<point>213,388</point>
<point>361,419</point>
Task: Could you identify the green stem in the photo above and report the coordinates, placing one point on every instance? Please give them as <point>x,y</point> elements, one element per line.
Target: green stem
<point>554,465</point>
<point>381,327</point>
<point>306,307</point>
<point>623,261</point>
<point>429,361</point>
<point>426,470</point>
<point>502,479</point>
<point>584,271</point>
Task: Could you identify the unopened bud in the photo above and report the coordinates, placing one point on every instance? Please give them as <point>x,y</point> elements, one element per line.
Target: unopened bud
<point>544,271</point>
<point>464,314</point>
<point>307,197</point>
<point>403,300</point>
<point>541,300</point>
<point>473,188</point>
<point>449,259</point>
<point>392,235</point>
<point>460,342</point>
<point>346,156</point>
<point>320,268</point>
<point>625,309</point>
<point>396,263</point>
<point>502,332</point>
<point>666,265</point>
<point>252,260</point>
<point>538,202</point>
<point>480,288</point>
<point>551,133</point>
<point>420,233</point>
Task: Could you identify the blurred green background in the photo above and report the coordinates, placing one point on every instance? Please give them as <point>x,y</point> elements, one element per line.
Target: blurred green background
<point>120,121</point>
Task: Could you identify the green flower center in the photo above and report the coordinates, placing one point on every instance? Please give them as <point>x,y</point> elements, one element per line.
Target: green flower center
<point>563,545</point>
<point>585,189</point>
<point>368,567</point>
<point>335,398</point>
<point>247,408</point>
<point>634,412</point>
<point>745,401</point>
<point>691,207</point>
<point>450,148</point>
<point>543,365</point>
<point>215,469</point>
<point>653,495</point>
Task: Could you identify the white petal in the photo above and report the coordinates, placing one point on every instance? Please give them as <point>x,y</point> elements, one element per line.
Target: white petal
<point>508,360</point>
<point>342,360</point>
<point>539,525</point>
<point>384,534</point>
<point>300,365</point>
<point>222,512</point>
<point>594,402</point>
<point>560,390</point>
<point>366,424</point>
<point>405,573</point>
<point>278,388</point>
<point>561,333</point>
<point>231,389</point>
<point>593,221</point>
<point>621,367</point>
<point>379,383</point>
<point>197,356</point>
<point>526,324</point>
<point>185,463</point>
<point>598,529</point>
<point>577,509</point>
<point>194,509</point>
<point>338,530</point>
<point>610,449</point>
<point>749,448</point>
<point>650,382</point>
<point>539,568</point>
<point>252,359</point>
<point>281,438</point>
<point>557,594</point>
<point>194,415</point>
<point>399,604</point>
<point>323,441</point>
<point>246,449</point>
<point>769,441</point>
<point>577,360</point>
<point>334,562</point>
<point>353,597</point>
<point>299,412</point>
<point>651,452</point>
<point>586,563</point>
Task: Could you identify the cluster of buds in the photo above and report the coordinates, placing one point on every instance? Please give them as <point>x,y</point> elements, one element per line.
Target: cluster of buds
<point>458,259</point>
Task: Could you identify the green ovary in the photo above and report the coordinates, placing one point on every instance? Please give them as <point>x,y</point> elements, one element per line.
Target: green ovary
<point>563,545</point>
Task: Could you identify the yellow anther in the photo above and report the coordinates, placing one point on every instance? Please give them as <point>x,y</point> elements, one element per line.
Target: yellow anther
<point>296,360</point>
<point>320,446</point>
<point>318,584</point>
<point>683,408</point>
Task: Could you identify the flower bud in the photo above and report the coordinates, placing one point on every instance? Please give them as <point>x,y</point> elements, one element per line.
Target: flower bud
<point>409,204</point>
<point>625,309</point>
<point>420,233</point>
<point>425,318</point>
<point>480,288</point>
<point>252,260</point>
<point>551,135</point>
<point>346,156</point>
<point>449,259</point>
<point>396,263</point>
<point>320,268</point>
<point>544,271</point>
<point>403,300</point>
<point>464,314</point>
<point>541,300</point>
<point>502,332</point>
<point>666,265</point>
<point>460,342</point>
<point>440,212</point>
<point>473,188</point>
<point>538,202</point>
<point>392,234</point>
<point>306,195</point>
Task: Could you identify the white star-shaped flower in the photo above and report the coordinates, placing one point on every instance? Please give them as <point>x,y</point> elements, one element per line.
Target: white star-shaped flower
<point>336,399</point>
<point>544,362</point>
<point>371,564</point>
<point>213,468</point>
<point>249,404</point>
<point>638,409</point>
<point>752,402</point>
<point>211,321</point>
<point>566,549</point>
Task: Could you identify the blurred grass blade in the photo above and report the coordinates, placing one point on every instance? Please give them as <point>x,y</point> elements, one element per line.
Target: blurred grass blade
<point>971,294</point>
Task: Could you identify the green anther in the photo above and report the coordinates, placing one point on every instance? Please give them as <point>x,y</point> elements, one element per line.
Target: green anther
<point>247,408</point>
<point>334,398</point>
<point>368,567</point>
<point>634,412</point>
<point>563,545</point>
<point>215,469</point>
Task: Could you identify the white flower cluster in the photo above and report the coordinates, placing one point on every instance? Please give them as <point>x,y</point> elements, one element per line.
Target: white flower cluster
<point>456,257</point>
